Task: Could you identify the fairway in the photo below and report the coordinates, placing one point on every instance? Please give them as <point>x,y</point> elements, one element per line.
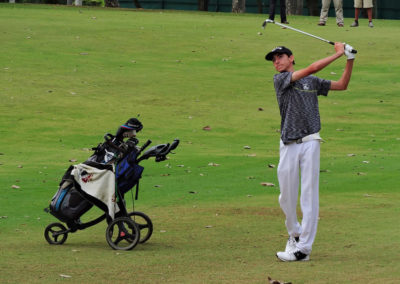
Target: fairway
<point>71,74</point>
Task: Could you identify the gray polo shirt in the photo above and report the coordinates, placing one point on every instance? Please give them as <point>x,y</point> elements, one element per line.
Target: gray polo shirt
<point>298,104</point>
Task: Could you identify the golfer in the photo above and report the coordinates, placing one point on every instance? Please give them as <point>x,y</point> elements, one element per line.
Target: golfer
<point>297,94</point>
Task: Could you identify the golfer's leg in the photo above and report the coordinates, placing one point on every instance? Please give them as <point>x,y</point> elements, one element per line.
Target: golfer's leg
<point>272,9</point>
<point>309,200</point>
<point>288,176</point>
<point>283,11</point>
<point>338,11</point>
<point>324,11</point>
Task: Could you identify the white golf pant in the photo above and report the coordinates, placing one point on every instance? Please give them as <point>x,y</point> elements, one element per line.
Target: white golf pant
<point>295,160</point>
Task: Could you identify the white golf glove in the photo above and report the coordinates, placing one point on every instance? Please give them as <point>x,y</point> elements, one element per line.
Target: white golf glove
<point>347,51</point>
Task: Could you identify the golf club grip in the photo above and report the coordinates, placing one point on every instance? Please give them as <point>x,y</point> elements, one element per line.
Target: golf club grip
<point>352,51</point>
<point>145,145</point>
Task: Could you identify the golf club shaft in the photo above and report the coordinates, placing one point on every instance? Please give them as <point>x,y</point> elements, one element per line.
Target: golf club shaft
<point>291,28</point>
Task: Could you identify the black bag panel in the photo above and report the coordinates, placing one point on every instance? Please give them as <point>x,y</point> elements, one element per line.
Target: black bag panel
<point>68,204</point>
<point>74,205</point>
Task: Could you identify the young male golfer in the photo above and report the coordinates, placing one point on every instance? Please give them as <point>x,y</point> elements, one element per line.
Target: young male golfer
<point>297,93</point>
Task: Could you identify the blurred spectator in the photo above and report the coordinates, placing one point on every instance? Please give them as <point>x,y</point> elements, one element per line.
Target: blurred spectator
<point>358,5</point>
<point>272,4</point>
<point>325,9</point>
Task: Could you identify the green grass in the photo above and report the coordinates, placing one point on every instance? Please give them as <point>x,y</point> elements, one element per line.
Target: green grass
<point>68,75</point>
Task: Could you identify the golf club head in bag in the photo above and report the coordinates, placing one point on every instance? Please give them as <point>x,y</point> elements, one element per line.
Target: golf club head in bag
<point>129,129</point>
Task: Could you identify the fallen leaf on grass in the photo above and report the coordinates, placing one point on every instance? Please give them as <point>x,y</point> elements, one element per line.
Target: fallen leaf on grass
<point>193,192</point>
<point>272,281</point>
<point>209,226</point>
<point>207,128</point>
<point>271,166</point>
<point>351,155</point>
<point>260,109</point>
<point>246,147</point>
<point>72,160</point>
<point>367,195</point>
<point>267,184</point>
<point>65,276</point>
<point>213,164</point>
<point>252,155</point>
<point>15,186</point>
<point>361,174</point>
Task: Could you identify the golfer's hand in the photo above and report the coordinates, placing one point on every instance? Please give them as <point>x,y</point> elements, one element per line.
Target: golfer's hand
<point>347,51</point>
<point>339,48</point>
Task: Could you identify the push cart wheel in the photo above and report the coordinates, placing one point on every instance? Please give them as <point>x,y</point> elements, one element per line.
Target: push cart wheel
<point>56,234</point>
<point>122,234</point>
<point>144,223</point>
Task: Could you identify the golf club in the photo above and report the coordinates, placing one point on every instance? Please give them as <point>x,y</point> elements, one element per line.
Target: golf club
<point>290,28</point>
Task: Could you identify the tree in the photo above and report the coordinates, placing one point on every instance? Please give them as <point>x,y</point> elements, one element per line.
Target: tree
<point>238,6</point>
<point>294,7</point>
<point>313,9</point>
<point>137,4</point>
<point>202,5</point>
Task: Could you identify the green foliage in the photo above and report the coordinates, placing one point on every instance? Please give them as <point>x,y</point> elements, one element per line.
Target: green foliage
<point>71,74</point>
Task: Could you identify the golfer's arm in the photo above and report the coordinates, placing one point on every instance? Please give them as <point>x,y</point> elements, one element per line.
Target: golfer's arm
<point>315,67</point>
<point>345,79</point>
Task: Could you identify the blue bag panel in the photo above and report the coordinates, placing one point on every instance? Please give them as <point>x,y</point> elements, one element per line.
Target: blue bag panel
<point>128,172</point>
<point>61,198</point>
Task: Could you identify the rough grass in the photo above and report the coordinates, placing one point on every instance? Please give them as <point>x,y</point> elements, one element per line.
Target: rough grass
<point>71,74</point>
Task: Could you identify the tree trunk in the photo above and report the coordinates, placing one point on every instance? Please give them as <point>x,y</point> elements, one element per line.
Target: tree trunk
<point>260,6</point>
<point>294,7</point>
<point>375,9</point>
<point>202,5</point>
<point>313,7</point>
<point>111,3</point>
<point>238,6</point>
<point>137,4</point>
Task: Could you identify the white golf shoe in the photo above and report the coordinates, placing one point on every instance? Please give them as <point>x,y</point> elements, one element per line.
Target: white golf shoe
<point>291,244</point>
<point>292,256</point>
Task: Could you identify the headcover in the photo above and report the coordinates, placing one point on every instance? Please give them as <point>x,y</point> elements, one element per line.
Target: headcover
<point>278,50</point>
<point>131,124</point>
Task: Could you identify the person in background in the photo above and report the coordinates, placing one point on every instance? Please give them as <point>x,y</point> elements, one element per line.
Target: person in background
<point>338,10</point>
<point>272,4</point>
<point>358,5</point>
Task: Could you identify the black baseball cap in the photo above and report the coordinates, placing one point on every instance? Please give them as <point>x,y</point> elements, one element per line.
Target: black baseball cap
<point>278,50</point>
